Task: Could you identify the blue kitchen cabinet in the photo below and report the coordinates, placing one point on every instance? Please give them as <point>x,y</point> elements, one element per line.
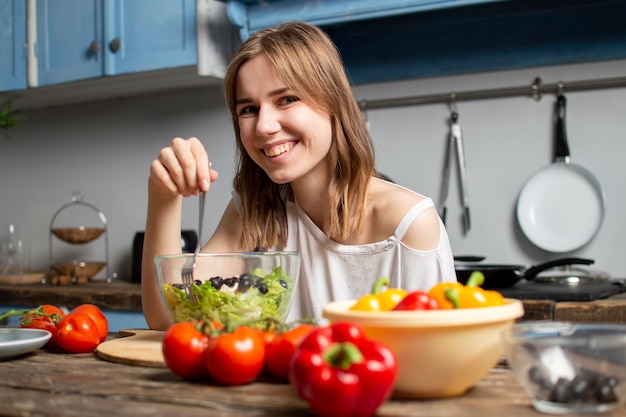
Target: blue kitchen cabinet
<point>69,35</point>
<point>152,34</point>
<point>253,15</point>
<point>81,39</point>
<point>13,52</point>
<point>386,40</point>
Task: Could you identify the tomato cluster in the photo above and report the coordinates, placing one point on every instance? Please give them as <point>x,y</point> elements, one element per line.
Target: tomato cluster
<point>231,356</point>
<point>44,317</point>
<point>79,331</point>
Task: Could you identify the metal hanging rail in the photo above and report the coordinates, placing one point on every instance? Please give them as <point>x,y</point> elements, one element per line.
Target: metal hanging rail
<point>535,90</point>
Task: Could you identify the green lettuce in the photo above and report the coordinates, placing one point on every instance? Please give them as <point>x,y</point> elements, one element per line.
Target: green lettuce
<point>233,306</point>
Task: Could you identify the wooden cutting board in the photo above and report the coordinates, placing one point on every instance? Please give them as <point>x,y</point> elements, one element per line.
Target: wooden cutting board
<point>138,347</point>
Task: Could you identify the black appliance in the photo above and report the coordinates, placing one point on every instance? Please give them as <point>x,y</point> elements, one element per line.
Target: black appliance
<point>188,240</point>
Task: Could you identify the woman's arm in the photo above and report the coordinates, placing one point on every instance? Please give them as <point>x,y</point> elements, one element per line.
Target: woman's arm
<point>181,170</point>
<point>162,236</point>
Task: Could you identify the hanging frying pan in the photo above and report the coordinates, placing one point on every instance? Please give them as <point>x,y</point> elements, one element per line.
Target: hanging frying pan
<point>561,207</point>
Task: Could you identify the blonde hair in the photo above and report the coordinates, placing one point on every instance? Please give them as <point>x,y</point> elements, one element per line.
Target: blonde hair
<point>309,63</point>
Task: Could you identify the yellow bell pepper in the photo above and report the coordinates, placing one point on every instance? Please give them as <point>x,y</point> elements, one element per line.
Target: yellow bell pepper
<point>379,299</point>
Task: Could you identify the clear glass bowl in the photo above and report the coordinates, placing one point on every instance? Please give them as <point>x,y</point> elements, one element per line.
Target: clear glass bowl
<point>569,368</point>
<point>230,286</point>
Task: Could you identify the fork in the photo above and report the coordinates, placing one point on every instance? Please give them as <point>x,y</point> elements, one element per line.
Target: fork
<point>190,265</point>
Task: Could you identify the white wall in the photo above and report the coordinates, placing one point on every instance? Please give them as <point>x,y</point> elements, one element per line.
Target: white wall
<point>506,141</point>
<point>104,149</point>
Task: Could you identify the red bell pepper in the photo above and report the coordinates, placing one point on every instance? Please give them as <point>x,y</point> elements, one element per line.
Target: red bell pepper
<point>342,373</point>
<point>417,300</point>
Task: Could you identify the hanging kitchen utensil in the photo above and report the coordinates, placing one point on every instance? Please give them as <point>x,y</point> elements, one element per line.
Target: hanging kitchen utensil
<point>455,145</point>
<point>561,207</point>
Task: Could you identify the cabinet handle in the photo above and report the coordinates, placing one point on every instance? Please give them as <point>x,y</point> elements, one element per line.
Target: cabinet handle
<point>115,45</point>
<point>94,48</point>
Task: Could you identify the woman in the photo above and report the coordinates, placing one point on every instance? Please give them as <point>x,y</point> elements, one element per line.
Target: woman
<point>305,181</point>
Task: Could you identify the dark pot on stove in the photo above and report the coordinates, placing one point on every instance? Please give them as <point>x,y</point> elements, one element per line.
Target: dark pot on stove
<point>505,276</point>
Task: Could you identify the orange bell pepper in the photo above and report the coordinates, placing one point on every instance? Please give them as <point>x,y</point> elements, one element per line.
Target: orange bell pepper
<point>438,292</point>
<point>456,295</point>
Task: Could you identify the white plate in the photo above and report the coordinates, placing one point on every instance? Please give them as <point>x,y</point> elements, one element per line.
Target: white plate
<point>17,341</point>
<point>561,207</point>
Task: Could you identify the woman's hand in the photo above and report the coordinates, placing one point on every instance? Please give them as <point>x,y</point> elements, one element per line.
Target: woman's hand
<point>183,168</point>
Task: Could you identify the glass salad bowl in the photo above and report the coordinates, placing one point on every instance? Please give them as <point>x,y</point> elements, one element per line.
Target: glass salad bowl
<point>233,287</point>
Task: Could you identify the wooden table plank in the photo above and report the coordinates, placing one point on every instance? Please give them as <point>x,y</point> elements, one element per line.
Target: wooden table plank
<point>59,384</point>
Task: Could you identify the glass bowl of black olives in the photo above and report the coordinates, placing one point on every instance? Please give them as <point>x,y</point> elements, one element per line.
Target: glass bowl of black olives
<point>569,368</point>
<point>229,287</point>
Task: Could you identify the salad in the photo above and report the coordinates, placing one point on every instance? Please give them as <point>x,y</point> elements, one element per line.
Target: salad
<point>252,295</point>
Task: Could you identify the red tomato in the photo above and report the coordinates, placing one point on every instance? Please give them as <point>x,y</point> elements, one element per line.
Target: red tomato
<point>267,336</point>
<point>236,358</point>
<point>281,349</point>
<point>77,333</point>
<point>98,317</point>
<point>184,350</point>
<point>44,317</point>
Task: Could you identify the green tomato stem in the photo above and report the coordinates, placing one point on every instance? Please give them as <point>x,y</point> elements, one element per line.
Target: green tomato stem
<point>12,313</point>
<point>38,312</point>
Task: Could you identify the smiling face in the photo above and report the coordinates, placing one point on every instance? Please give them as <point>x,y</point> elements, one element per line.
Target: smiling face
<point>286,137</point>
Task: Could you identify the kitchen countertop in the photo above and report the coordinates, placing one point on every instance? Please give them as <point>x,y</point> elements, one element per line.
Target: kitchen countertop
<point>123,295</point>
<point>116,295</point>
<point>59,384</point>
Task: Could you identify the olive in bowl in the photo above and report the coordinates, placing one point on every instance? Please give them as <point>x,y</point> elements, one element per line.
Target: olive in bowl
<point>230,287</point>
<point>569,368</point>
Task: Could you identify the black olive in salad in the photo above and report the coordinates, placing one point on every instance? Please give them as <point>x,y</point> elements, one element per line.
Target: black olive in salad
<point>242,283</point>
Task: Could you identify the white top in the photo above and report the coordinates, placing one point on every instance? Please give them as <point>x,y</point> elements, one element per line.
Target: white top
<point>330,271</point>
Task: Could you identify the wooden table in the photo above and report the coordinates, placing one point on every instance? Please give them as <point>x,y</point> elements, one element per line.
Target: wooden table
<point>60,384</point>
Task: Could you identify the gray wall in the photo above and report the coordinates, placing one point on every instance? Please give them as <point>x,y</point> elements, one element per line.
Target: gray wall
<point>104,149</point>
